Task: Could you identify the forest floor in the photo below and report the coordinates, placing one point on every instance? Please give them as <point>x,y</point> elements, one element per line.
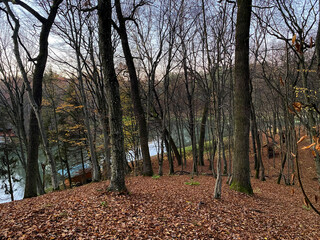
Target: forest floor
<point>168,208</point>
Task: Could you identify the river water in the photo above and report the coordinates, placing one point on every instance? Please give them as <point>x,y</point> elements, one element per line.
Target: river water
<point>19,186</point>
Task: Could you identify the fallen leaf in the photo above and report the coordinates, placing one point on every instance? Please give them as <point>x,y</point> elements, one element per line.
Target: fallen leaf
<point>309,146</point>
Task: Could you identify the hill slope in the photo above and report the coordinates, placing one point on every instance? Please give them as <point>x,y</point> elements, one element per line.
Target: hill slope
<point>163,208</point>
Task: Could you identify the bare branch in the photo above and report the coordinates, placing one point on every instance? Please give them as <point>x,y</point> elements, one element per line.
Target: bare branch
<point>28,8</point>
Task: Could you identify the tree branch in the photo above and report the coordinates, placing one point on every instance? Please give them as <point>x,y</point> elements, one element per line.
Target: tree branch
<point>28,8</point>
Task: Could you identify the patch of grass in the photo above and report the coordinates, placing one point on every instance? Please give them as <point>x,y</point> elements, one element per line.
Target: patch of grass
<point>192,183</point>
<point>306,207</point>
<point>63,214</point>
<point>48,190</point>
<point>48,205</point>
<point>104,204</point>
<point>155,176</point>
<point>237,186</point>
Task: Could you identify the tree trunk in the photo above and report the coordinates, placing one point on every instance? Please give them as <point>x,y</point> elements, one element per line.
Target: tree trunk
<point>283,162</point>
<point>117,182</point>
<point>217,187</point>
<point>160,171</point>
<point>32,170</point>
<point>173,146</point>
<point>67,163</point>
<point>241,168</point>
<point>7,163</point>
<point>171,167</point>
<point>203,132</point>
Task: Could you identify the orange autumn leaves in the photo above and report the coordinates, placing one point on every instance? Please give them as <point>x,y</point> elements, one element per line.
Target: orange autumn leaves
<point>315,143</point>
<point>297,106</point>
<point>298,46</point>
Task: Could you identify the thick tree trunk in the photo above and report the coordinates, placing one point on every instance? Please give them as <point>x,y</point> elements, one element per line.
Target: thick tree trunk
<point>170,160</point>
<point>117,182</point>
<point>241,168</point>
<point>32,170</point>
<point>135,92</point>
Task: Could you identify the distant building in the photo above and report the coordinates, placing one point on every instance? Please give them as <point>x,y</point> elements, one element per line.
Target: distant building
<point>78,177</point>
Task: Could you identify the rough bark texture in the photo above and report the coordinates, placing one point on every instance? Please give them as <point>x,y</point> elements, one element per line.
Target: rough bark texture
<point>117,182</point>
<point>135,93</point>
<point>241,169</point>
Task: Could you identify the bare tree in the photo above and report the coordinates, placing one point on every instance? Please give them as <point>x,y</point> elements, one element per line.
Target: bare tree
<point>135,91</point>
<point>35,93</point>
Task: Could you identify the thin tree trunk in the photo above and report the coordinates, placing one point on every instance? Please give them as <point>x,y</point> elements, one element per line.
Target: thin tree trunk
<point>217,187</point>
<point>160,171</point>
<point>183,143</point>
<point>67,163</point>
<point>84,179</point>
<point>7,163</point>
<point>203,132</point>
<point>281,169</point>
